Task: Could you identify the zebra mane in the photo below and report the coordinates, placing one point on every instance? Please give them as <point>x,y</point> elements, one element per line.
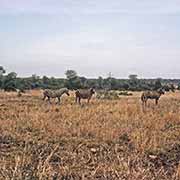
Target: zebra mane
<point>63,90</point>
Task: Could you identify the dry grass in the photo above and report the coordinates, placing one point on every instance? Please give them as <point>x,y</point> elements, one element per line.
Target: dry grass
<point>107,139</point>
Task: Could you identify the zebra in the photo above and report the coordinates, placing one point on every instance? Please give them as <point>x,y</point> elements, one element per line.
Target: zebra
<point>55,94</point>
<point>84,94</point>
<point>151,95</point>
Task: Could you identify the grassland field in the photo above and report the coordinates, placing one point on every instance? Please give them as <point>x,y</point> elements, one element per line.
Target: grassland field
<point>104,140</point>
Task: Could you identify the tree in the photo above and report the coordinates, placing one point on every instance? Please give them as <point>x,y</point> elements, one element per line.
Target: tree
<point>35,81</point>
<point>83,81</point>
<point>73,81</point>
<point>133,77</point>
<point>9,82</point>
<point>35,78</point>
<point>2,70</point>
<point>157,84</point>
<point>45,80</point>
<point>71,74</point>
<point>133,82</point>
<point>108,81</point>
<point>12,75</point>
<point>100,82</point>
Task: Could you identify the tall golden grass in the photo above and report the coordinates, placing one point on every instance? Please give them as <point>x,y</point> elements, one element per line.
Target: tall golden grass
<point>106,139</point>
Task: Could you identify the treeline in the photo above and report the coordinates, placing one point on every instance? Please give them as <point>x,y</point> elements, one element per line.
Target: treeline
<point>10,81</point>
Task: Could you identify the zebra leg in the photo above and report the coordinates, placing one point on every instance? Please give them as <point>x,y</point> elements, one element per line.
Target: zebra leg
<point>49,100</point>
<point>76,99</point>
<point>156,101</point>
<point>145,102</point>
<point>59,100</point>
<point>79,100</point>
<point>88,100</point>
<point>44,97</point>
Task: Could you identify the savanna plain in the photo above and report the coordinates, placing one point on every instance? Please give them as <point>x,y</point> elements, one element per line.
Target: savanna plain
<point>104,140</point>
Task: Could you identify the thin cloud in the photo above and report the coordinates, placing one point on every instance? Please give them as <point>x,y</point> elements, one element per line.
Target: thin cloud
<point>90,7</point>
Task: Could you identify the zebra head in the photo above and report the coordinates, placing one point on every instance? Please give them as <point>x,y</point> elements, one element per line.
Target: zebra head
<point>92,91</point>
<point>161,91</point>
<point>66,91</point>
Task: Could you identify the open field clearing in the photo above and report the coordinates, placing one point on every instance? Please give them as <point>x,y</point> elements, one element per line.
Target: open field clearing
<point>106,139</point>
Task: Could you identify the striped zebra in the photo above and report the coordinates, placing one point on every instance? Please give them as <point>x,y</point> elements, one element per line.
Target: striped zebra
<point>84,94</point>
<point>55,94</point>
<point>151,95</point>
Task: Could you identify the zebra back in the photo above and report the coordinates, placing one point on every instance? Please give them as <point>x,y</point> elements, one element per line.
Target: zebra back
<point>55,93</point>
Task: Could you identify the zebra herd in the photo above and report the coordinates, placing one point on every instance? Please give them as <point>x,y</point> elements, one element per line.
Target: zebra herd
<point>87,94</point>
<point>80,94</point>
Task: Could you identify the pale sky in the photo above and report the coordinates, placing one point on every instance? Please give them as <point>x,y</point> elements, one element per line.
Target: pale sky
<point>93,37</point>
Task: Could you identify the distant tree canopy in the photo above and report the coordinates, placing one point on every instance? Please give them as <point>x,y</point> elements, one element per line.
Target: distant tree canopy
<point>73,80</point>
<point>2,70</point>
<point>11,81</point>
<point>71,74</point>
<point>158,84</point>
<point>133,82</point>
<point>133,76</point>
